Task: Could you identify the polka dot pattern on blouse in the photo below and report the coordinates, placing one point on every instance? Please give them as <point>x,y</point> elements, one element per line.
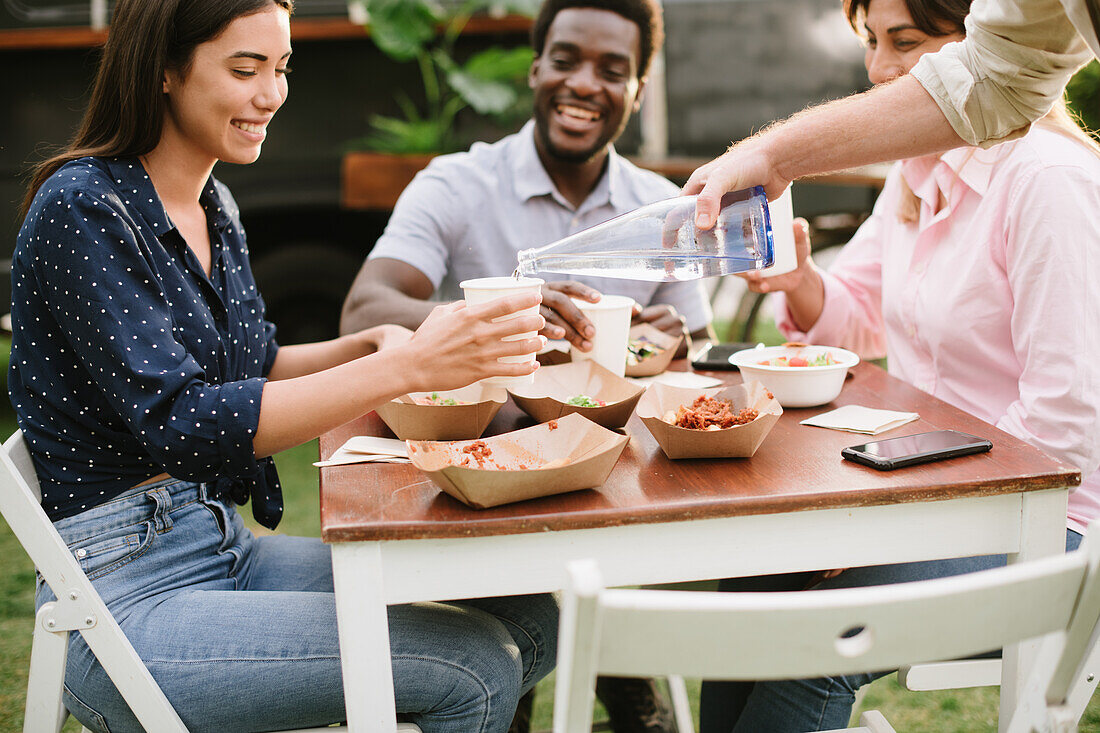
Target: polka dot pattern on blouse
<point>127,360</point>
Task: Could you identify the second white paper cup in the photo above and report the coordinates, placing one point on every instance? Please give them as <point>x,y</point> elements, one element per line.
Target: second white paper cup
<point>482,290</point>
<point>611,317</point>
<point>782,216</point>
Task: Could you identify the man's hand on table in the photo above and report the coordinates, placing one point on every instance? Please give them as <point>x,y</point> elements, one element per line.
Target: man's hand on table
<point>564,319</point>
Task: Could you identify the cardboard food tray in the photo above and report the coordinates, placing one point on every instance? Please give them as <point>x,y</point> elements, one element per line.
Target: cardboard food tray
<point>739,441</point>
<point>555,352</point>
<point>582,455</point>
<point>658,362</point>
<point>411,421</point>
<point>547,397</point>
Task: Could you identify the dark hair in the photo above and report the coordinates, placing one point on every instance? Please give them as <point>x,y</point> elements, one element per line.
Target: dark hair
<point>646,14</point>
<point>125,114</point>
<point>931,17</point>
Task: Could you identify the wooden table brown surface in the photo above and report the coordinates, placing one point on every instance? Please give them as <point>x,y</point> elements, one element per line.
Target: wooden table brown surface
<point>795,505</point>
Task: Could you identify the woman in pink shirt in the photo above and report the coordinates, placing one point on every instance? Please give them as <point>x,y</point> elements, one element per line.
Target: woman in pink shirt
<point>974,275</point>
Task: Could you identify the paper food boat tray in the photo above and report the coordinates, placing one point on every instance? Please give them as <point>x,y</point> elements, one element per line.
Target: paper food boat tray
<point>581,455</point>
<point>739,441</point>
<point>658,362</point>
<point>547,397</point>
<point>411,421</point>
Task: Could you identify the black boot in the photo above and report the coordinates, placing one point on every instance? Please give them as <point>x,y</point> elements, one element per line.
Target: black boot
<point>634,705</point>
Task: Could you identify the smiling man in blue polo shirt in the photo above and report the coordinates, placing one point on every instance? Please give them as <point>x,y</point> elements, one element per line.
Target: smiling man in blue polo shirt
<point>468,214</point>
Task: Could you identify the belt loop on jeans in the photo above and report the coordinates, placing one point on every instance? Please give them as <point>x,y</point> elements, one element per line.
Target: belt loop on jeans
<point>161,518</point>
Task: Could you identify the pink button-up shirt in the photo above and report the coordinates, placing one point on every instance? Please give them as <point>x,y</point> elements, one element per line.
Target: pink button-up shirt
<point>991,304</point>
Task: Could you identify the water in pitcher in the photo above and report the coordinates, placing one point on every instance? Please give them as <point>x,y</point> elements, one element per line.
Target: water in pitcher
<point>660,242</point>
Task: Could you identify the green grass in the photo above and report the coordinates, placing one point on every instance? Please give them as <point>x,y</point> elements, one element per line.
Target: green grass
<point>962,711</point>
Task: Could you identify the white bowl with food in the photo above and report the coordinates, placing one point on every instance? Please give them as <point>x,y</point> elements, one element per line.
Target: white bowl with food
<point>799,375</point>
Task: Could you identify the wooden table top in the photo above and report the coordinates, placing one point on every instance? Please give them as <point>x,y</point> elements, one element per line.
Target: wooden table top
<point>796,468</point>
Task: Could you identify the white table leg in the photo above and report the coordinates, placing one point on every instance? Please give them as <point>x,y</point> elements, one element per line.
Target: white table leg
<point>1042,533</point>
<point>364,637</point>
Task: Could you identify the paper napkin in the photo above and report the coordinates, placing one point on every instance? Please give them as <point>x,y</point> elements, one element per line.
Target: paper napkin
<point>690,380</point>
<point>368,449</point>
<point>859,419</point>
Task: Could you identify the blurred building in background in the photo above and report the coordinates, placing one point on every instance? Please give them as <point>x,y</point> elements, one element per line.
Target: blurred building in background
<point>729,68</point>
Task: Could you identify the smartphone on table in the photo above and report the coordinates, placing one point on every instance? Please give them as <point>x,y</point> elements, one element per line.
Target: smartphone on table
<point>910,450</point>
<point>714,357</point>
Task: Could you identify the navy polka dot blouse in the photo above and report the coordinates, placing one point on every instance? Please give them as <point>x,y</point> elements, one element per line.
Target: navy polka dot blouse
<point>127,360</point>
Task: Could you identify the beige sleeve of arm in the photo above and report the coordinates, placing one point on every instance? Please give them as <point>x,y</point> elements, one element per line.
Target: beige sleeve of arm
<point>1014,64</point>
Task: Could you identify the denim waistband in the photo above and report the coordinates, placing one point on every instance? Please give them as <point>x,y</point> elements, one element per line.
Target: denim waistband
<point>167,495</point>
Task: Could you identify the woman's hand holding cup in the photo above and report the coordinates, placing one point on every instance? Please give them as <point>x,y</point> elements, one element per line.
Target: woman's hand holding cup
<point>459,344</point>
<point>804,287</point>
<point>793,280</point>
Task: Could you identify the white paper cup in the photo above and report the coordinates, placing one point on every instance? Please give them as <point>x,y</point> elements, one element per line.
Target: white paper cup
<point>484,289</point>
<point>611,317</point>
<point>782,216</point>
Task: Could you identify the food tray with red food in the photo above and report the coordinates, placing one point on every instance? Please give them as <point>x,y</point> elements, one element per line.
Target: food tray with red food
<point>721,422</point>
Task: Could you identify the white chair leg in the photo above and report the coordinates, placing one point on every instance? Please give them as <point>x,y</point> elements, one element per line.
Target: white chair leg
<point>45,710</point>
<point>1081,692</point>
<point>681,704</point>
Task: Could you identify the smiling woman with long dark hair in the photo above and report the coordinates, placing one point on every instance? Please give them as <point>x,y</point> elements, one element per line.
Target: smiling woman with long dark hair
<point>152,394</point>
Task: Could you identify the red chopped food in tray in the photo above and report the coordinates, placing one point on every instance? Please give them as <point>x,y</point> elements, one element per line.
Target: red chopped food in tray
<point>480,452</point>
<point>515,460</point>
<point>552,425</point>
<point>709,413</point>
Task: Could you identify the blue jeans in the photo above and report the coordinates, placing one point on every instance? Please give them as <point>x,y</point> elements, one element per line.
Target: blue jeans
<point>797,706</point>
<point>240,631</point>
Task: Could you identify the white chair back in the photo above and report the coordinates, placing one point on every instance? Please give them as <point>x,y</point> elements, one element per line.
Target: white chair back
<point>760,636</point>
<point>78,608</point>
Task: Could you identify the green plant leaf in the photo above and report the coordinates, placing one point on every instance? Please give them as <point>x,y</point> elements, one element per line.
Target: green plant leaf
<point>485,96</point>
<point>402,28</point>
<point>512,7</point>
<point>1083,96</point>
<point>491,82</point>
<point>392,135</point>
<point>501,64</point>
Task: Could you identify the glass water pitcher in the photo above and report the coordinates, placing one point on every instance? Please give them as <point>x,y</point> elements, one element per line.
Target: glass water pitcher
<point>659,242</point>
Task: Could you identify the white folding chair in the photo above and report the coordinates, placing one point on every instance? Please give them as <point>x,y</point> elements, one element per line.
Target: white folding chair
<point>78,608</point>
<point>959,674</point>
<point>964,673</point>
<point>764,636</point>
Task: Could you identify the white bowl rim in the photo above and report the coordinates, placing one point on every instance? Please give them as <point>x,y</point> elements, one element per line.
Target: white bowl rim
<point>846,359</point>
